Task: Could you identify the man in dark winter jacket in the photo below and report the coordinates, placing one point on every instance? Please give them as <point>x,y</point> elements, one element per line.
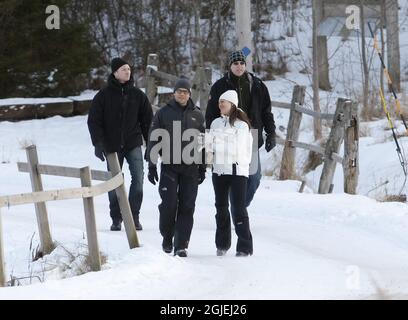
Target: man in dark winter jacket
<point>119,119</point>
<point>174,136</point>
<point>253,97</point>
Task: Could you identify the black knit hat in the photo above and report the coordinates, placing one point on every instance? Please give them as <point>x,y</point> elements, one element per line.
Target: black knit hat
<point>236,56</point>
<point>182,83</point>
<point>116,63</point>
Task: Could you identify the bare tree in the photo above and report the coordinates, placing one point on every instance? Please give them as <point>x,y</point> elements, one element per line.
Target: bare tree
<point>364,60</point>
<point>197,33</point>
<point>393,48</point>
<point>382,23</point>
<point>317,124</point>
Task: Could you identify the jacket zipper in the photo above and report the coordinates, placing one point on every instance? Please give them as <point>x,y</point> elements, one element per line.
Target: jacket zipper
<point>122,131</point>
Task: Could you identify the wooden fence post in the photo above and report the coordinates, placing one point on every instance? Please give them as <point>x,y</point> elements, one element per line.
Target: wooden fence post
<point>287,170</point>
<point>332,146</point>
<point>2,261</point>
<point>40,209</point>
<point>302,186</point>
<point>91,234</point>
<point>124,205</point>
<point>350,162</point>
<point>150,82</point>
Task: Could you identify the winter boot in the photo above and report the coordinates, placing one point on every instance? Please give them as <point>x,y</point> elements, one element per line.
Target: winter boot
<point>181,253</point>
<point>138,226</point>
<point>167,245</point>
<point>116,225</point>
<point>221,252</point>
<point>242,254</point>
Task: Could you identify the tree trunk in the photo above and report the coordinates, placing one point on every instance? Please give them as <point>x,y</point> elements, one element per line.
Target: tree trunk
<point>323,62</point>
<point>317,123</point>
<point>198,39</point>
<point>292,18</point>
<point>366,111</point>
<point>382,44</point>
<point>393,53</point>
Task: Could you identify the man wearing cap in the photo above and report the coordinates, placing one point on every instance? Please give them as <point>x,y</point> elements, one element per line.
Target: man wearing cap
<point>118,121</point>
<point>181,172</point>
<point>254,99</point>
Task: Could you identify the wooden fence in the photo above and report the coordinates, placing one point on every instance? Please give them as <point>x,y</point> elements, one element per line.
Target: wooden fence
<point>200,84</point>
<point>345,126</point>
<point>113,180</point>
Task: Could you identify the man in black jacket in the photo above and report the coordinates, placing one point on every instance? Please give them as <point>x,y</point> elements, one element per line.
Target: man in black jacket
<point>253,97</point>
<point>174,136</point>
<point>119,119</point>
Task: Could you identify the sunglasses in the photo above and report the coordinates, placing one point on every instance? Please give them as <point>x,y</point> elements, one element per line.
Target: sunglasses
<point>237,63</point>
<point>182,91</point>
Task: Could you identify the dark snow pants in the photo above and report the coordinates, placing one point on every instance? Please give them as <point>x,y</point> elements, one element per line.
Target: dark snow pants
<point>178,190</point>
<point>237,186</point>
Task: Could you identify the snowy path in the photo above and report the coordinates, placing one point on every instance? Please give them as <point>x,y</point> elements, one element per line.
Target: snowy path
<point>306,246</point>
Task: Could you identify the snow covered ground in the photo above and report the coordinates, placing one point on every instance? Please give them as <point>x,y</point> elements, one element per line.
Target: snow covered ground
<point>306,246</point>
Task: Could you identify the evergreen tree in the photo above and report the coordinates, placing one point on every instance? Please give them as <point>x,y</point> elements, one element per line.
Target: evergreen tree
<point>35,61</point>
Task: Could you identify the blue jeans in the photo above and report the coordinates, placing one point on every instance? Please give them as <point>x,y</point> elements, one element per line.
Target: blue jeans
<point>134,158</point>
<point>254,180</point>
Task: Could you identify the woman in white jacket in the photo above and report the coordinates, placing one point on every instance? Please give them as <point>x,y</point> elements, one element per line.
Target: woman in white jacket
<point>230,143</point>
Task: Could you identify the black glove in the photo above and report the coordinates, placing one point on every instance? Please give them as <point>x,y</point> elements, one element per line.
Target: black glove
<point>152,175</point>
<point>270,142</point>
<point>99,152</point>
<point>201,174</point>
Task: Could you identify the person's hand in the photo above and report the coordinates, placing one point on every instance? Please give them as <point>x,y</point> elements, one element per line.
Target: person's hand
<point>99,152</point>
<point>270,142</point>
<point>152,175</point>
<point>201,174</point>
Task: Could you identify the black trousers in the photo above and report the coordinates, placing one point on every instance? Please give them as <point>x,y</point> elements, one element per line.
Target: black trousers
<point>178,191</point>
<point>237,186</point>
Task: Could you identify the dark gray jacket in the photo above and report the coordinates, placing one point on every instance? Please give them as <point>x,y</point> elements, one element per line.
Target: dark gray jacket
<point>189,117</point>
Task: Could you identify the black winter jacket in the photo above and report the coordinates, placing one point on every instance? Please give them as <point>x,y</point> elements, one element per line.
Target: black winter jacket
<point>119,116</point>
<point>169,117</point>
<point>259,110</point>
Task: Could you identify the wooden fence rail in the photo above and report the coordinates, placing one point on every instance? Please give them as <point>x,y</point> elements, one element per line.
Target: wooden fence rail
<point>61,194</point>
<point>298,108</point>
<point>86,192</point>
<point>64,171</point>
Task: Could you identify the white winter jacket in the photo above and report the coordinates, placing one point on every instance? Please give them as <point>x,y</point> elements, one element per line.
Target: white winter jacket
<point>231,146</point>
